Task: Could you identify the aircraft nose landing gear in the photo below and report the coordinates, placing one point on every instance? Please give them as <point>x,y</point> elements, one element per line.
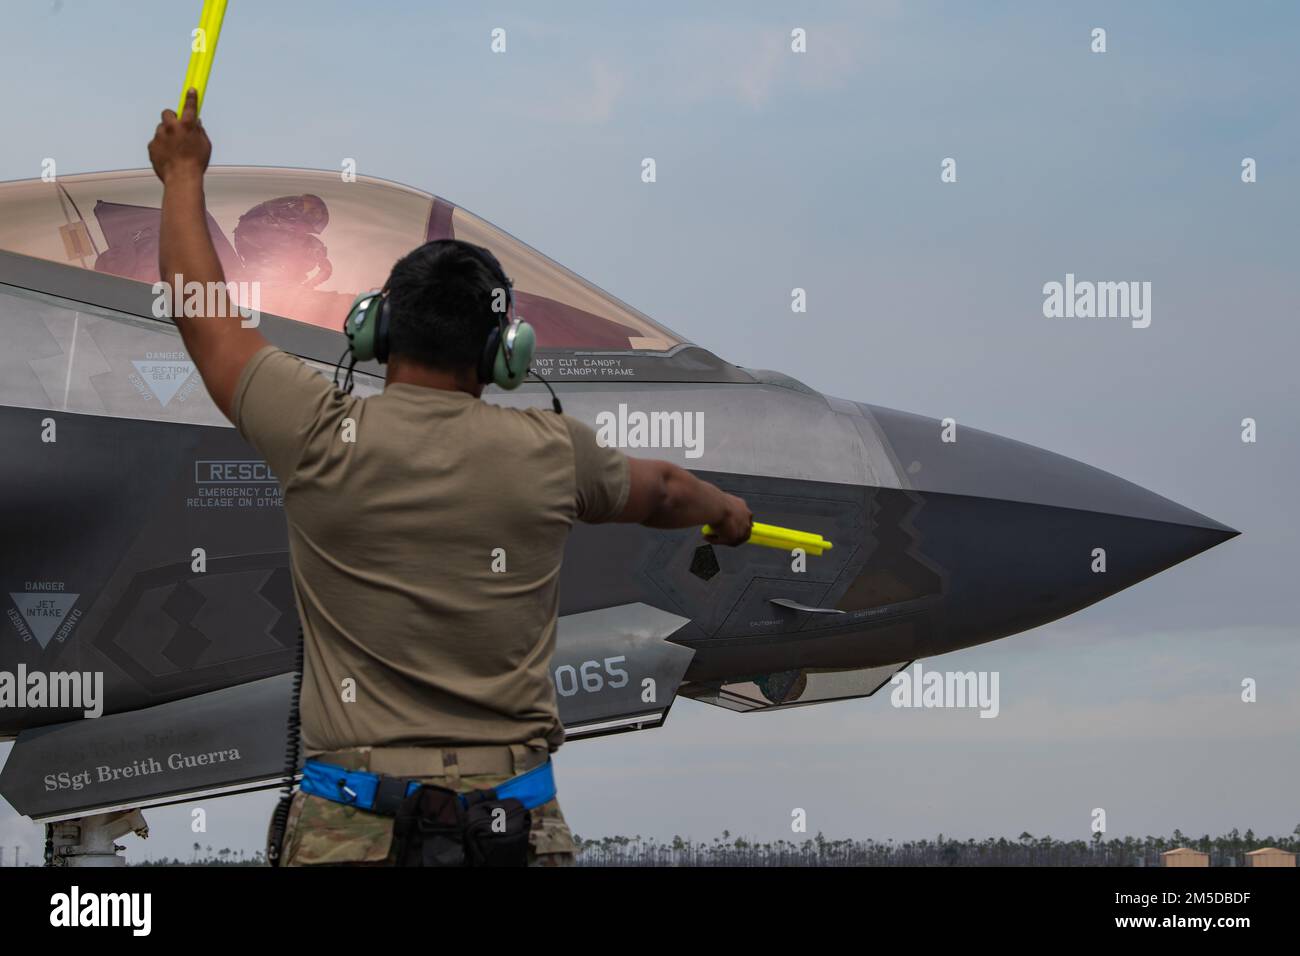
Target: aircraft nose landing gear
<point>88,841</point>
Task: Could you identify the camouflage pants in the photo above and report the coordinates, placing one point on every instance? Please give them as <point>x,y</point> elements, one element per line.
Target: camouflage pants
<point>321,832</point>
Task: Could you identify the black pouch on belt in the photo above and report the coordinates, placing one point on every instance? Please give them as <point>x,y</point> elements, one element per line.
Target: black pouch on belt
<point>429,829</point>
<point>496,831</point>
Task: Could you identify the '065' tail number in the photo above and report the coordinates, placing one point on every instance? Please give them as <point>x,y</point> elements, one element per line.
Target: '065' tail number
<point>589,676</point>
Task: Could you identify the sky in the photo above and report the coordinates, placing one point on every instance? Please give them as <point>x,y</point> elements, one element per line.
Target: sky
<point>821,171</point>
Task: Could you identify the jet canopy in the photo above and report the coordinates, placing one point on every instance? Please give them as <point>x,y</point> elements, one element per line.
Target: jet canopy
<point>311,242</point>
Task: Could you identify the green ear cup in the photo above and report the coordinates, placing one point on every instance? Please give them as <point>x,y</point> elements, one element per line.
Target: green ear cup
<point>521,358</point>
<point>361,324</point>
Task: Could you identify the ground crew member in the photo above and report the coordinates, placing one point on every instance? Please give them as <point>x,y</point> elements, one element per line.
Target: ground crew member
<point>422,663</point>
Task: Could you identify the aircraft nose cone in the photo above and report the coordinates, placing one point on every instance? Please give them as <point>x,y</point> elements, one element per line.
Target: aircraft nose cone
<point>986,465</point>
<point>1025,536</point>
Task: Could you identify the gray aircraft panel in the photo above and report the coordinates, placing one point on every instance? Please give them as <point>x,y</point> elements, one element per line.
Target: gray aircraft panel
<point>617,662</point>
<point>614,669</point>
<point>747,430</point>
<point>222,739</point>
<point>878,461</point>
<point>70,356</point>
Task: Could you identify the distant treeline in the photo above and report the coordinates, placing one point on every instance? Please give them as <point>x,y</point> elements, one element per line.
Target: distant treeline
<point>1025,850</point>
<point>206,856</point>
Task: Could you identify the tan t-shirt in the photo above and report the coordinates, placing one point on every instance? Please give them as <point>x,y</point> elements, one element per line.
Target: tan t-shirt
<point>425,552</point>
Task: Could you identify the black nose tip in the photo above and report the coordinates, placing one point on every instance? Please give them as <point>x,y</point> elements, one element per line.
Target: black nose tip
<point>984,465</point>
<point>1024,536</point>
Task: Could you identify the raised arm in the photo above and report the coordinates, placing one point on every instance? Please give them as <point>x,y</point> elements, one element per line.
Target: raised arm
<point>662,495</point>
<point>219,344</point>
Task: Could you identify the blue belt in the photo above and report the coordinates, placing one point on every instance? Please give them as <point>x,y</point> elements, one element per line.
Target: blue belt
<point>380,793</point>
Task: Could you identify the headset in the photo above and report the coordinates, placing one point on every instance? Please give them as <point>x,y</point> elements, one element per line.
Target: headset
<point>507,353</point>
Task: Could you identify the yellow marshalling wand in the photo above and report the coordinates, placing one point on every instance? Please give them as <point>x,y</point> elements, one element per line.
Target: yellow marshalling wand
<point>203,49</point>
<point>783,539</point>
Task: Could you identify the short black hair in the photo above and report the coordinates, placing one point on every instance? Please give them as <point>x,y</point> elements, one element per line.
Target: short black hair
<point>443,301</point>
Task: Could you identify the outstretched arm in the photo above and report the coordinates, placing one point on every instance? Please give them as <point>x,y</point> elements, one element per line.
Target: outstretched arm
<point>662,495</point>
<point>219,344</point>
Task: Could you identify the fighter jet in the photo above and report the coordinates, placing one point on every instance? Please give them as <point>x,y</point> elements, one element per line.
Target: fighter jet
<point>144,540</point>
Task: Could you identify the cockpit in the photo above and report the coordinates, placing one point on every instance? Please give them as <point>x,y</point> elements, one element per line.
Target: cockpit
<point>311,241</point>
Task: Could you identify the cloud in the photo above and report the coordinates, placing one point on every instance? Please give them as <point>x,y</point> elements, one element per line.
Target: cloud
<point>607,86</point>
<point>707,61</point>
<point>592,104</point>
<point>753,63</point>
